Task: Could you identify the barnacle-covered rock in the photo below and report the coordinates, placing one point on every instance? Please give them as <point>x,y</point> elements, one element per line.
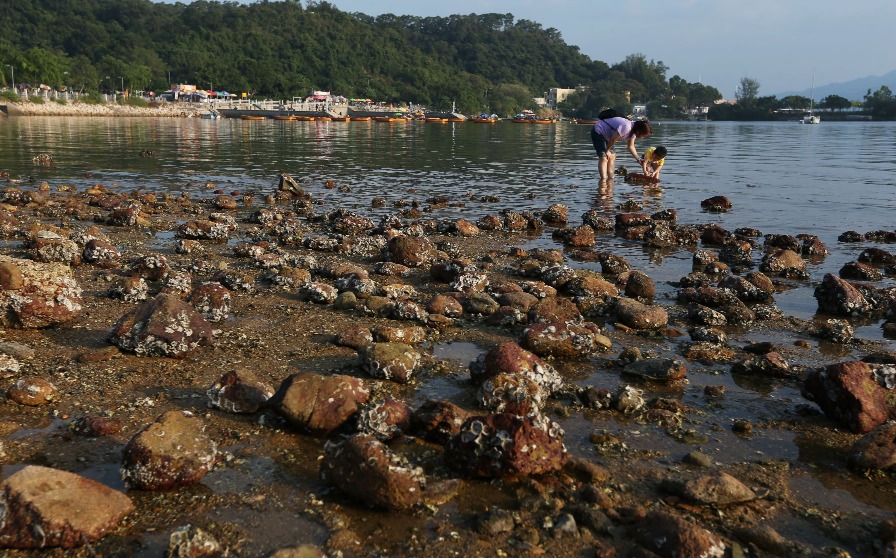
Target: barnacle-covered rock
<point>239,391</point>
<point>170,452</point>
<point>512,393</point>
<point>390,361</point>
<point>384,417</point>
<point>838,297</point>
<point>32,391</point>
<point>163,326</point>
<point>510,358</point>
<point>205,229</point>
<point>564,339</point>
<point>504,444</point>
<point>368,471</point>
<point>212,300</point>
<point>36,295</point>
<point>638,315</point>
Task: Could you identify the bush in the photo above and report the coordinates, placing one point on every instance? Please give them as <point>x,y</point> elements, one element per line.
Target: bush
<point>36,99</point>
<point>10,96</point>
<point>61,101</point>
<point>92,98</point>
<point>136,102</point>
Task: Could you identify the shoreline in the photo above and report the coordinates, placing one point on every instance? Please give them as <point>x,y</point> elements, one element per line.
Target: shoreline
<point>75,108</point>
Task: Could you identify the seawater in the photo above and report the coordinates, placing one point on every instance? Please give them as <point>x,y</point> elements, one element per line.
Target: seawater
<point>782,177</point>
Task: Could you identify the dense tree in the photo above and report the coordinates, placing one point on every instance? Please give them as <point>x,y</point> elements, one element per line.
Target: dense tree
<point>881,103</point>
<point>748,90</point>
<point>835,102</point>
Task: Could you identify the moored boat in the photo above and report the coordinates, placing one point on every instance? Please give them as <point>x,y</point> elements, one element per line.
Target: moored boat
<point>252,117</point>
<point>286,117</point>
<point>484,119</point>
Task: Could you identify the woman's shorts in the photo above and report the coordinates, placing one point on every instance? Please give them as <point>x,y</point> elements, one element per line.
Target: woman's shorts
<point>600,143</point>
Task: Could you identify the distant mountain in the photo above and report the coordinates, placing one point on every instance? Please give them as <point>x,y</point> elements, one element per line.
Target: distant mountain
<point>853,90</point>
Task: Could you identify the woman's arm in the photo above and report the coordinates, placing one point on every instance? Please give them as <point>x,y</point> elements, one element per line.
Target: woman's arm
<point>612,141</point>
<point>634,152</point>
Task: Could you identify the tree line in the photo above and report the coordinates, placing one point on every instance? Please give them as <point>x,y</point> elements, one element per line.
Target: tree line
<point>282,49</point>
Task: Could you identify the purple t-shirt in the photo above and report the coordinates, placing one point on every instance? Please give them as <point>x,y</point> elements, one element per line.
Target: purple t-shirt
<point>610,126</point>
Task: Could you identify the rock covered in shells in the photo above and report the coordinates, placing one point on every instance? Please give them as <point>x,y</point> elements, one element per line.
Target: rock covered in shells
<point>239,391</point>
<point>212,300</point>
<point>164,326</point>
<point>390,361</point>
<point>855,394</point>
<point>512,393</point>
<point>565,339</point>
<point>409,251</point>
<point>170,452</point>
<point>637,315</point>
<point>188,541</point>
<point>319,404</point>
<point>368,471</point>
<point>662,370</point>
<point>510,358</point>
<point>716,204</point>
<point>45,508</point>
<point>503,444</point>
<point>839,297</point>
<point>204,229</point>
<point>129,289</point>
<point>37,295</point>
<point>384,417</point>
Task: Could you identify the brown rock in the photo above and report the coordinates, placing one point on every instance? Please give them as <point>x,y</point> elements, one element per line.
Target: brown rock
<point>43,294</point>
<point>171,452</point>
<point>239,391</point>
<point>850,394</point>
<point>670,536</point>
<point>319,404</point>
<point>46,507</point>
<point>438,420</point>
<point>32,391</point>
<point>637,315</point>
<point>163,326</point>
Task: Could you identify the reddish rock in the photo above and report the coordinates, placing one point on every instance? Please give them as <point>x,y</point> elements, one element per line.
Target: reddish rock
<point>512,393</point>
<point>385,418</point>
<point>718,489</point>
<point>355,337</point>
<point>172,451</point>
<point>590,285</point>
<point>670,536</point>
<point>510,358</point>
<point>554,309</point>
<point>624,220</point>
<point>164,326</point>
<point>94,426</point>
<point>875,450</point>
<point>640,285</point>
<point>556,214</point>
<point>851,394</point>
<point>577,237</point>
<point>212,300</point>
<point>778,260</point>
<point>32,391</point>
<point>151,268</point>
<point>37,295</point>
<point>239,391</point>
<point>319,404</point>
<point>661,370</point>
<point>409,251</point>
<point>518,300</point>
<point>368,471</point>
<point>771,364</point>
<point>55,249</point>
<point>205,229</point>
<point>101,252</point>
<point>501,445</point>
<point>438,420</point>
<point>45,508</point>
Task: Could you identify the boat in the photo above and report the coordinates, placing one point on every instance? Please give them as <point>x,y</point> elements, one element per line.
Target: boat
<point>341,118</point>
<point>286,117</point>
<point>324,119</point>
<point>525,117</point>
<point>484,119</point>
<point>252,117</point>
<point>436,119</point>
<point>811,118</point>
<point>543,121</point>
<point>212,114</point>
<point>359,118</point>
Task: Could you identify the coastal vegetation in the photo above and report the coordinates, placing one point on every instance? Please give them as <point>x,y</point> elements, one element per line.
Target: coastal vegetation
<point>282,49</point>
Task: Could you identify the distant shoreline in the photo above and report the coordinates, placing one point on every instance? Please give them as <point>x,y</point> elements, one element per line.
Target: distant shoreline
<point>74,108</point>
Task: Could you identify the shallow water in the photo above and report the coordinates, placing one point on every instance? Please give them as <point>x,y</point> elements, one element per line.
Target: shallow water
<point>782,178</point>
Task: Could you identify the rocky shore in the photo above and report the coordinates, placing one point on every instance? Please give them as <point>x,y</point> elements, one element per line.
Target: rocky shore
<point>75,108</point>
<point>260,375</point>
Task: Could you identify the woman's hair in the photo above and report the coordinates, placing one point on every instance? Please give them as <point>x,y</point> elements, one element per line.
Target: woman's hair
<point>642,129</point>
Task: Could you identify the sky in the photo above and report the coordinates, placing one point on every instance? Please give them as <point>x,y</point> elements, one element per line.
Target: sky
<point>779,43</point>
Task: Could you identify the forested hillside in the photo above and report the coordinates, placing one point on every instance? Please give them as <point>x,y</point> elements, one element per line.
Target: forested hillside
<point>281,49</point>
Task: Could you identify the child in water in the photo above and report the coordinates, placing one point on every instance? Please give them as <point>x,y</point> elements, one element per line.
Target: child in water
<point>654,157</point>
